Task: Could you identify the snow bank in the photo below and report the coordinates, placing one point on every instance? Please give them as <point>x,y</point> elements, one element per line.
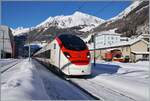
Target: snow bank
<point>24,85</point>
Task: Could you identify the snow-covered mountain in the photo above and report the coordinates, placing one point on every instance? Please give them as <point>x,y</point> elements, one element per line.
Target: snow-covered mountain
<point>73,20</point>
<point>77,19</point>
<point>19,31</point>
<point>131,22</point>
<point>125,12</point>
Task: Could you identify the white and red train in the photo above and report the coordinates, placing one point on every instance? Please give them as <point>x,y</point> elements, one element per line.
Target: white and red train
<point>68,53</point>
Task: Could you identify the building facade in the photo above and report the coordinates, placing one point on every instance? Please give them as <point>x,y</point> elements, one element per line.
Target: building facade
<point>7,45</point>
<point>136,49</point>
<point>106,39</point>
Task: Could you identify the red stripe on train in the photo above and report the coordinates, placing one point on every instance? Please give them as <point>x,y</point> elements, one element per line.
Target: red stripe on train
<point>77,57</point>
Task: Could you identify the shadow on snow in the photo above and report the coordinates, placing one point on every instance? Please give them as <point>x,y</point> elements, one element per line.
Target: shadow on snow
<point>99,69</point>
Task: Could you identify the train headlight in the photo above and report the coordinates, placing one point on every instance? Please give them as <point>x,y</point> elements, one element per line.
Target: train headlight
<point>88,55</point>
<point>67,55</point>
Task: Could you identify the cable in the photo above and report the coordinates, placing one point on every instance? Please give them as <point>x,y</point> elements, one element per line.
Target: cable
<point>105,6</point>
<point>81,6</point>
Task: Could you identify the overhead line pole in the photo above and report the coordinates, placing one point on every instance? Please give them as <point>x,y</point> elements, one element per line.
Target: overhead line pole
<point>29,45</point>
<point>94,38</point>
<point>94,45</point>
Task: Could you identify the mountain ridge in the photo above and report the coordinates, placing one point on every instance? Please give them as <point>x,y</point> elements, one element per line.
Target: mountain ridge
<point>85,21</point>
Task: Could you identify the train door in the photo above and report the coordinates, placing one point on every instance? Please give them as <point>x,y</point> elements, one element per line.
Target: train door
<point>53,54</point>
<point>57,55</point>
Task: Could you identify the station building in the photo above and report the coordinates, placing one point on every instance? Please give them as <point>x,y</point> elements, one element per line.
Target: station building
<point>7,44</point>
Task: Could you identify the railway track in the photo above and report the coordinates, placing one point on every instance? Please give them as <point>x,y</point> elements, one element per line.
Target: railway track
<point>99,91</point>
<point>7,67</point>
<point>82,89</point>
<point>94,89</point>
<point>55,72</point>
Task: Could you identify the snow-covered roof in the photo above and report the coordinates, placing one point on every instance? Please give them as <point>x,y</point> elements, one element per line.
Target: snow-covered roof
<point>108,32</point>
<point>140,52</point>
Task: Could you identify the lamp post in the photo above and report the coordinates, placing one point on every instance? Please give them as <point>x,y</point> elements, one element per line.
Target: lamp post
<point>94,45</point>
<point>29,45</point>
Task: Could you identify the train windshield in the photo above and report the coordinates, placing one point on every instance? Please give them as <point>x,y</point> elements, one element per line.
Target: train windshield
<point>72,42</point>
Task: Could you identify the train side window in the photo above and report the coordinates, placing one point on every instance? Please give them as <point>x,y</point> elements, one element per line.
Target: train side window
<point>47,54</point>
<point>54,46</point>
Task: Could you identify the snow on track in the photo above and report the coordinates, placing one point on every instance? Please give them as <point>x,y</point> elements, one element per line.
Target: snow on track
<point>100,91</point>
<point>32,81</point>
<point>59,89</point>
<point>110,81</point>
<point>118,81</point>
<point>4,62</point>
<point>22,82</point>
<point>8,64</point>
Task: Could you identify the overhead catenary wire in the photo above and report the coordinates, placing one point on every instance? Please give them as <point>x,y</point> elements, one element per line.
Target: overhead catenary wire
<point>103,8</point>
<point>80,6</point>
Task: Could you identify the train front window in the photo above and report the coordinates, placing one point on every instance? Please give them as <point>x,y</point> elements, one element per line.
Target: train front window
<point>72,42</point>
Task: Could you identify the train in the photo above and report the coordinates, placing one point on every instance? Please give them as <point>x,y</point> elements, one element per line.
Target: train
<point>68,54</point>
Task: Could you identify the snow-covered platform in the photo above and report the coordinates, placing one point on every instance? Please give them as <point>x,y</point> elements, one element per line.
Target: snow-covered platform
<point>31,81</point>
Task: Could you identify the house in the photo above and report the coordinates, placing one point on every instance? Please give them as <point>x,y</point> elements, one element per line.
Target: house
<point>106,39</point>
<point>136,49</point>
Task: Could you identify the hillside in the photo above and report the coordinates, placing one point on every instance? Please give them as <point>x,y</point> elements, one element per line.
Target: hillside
<point>131,22</point>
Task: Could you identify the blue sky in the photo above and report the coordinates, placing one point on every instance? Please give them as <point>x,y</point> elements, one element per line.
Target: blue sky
<point>31,13</point>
